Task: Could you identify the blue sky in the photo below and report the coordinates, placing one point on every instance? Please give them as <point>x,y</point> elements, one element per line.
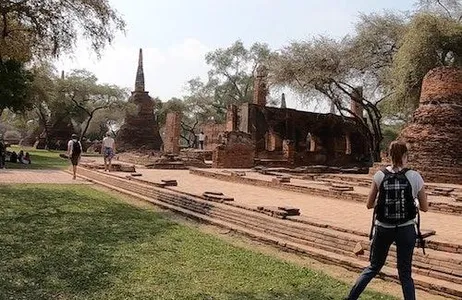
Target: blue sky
<point>176,34</point>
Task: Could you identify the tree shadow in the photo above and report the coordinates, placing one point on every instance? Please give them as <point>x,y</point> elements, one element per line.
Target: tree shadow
<point>53,240</point>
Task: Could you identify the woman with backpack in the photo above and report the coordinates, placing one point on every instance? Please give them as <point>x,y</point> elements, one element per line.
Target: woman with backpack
<point>395,211</point>
<point>74,151</point>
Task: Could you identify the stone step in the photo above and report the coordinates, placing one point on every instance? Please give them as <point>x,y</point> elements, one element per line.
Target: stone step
<point>454,208</point>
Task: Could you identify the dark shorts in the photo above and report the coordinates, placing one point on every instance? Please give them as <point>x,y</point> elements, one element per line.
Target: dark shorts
<point>108,152</point>
<point>75,160</point>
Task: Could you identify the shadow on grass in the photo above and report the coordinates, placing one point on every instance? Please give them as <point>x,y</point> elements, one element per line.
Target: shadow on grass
<point>73,242</point>
<point>66,242</point>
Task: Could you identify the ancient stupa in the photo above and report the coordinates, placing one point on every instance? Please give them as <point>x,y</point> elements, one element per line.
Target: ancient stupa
<point>140,130</point>
<point>435,134</point>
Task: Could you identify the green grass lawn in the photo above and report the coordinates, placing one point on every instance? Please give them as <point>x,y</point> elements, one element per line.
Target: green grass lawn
<point>74,242</point>
<point>41,159</point>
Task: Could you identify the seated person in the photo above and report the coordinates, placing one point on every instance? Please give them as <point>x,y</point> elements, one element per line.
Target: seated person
<point>20,156</point>
<point>14,157</point>
<point>26,159</point>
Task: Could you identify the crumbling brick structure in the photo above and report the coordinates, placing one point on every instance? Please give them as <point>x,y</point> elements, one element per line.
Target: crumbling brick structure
<point>237,151</point>
<point>172,133</point>
<point>140,130</point>
<point>315,138</point>
<point>260,86</point>
<point>435,133</point>
<point>213,134</point>
<point>287,137</point>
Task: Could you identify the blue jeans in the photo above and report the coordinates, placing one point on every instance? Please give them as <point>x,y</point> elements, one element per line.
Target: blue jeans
<point>405,238</point>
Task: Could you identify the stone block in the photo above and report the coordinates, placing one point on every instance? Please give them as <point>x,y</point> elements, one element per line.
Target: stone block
<point>279,180</point>
<point>169,182</point>
<point>216,197</point>
<point>359,249</point>
<point>440,191</point>
<point>427,232</point>
<point>291,211</point>
<point>127,168</point>
<point>341,187</point>
<point>238,174</point>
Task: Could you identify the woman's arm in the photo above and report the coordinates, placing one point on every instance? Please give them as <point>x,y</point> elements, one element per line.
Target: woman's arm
<point>423,203</point>
<point>372,195</point>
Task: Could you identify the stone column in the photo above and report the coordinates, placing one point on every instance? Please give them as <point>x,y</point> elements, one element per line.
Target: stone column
<point>348,144</point>
<point>312,143</point>
<point>273,141</point>
<point>288,149</point>
<point>231,118</point>
<point>172,133</point>
<point>356,98</point>
<point>260,86</point>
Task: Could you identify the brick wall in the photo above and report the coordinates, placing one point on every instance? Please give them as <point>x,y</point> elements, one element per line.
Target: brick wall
<point>238,151</point>
<point>213,134</point>
<point>172,133</point>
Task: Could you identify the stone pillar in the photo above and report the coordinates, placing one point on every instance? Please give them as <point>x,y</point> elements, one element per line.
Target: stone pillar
<point>273,141</point>
<point>231,118</point>
<point>172,133</point>
<point>348,144</point>
<point>260,86</point>
<point>356,97</point>
<point>312,140</point>
<point>288,149</point>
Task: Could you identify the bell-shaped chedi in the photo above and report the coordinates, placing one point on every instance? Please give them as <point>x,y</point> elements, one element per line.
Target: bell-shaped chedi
<point>140,130</point>
<point>435,134</point>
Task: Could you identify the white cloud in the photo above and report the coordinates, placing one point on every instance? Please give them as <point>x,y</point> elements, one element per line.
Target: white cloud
<point>166,70</point>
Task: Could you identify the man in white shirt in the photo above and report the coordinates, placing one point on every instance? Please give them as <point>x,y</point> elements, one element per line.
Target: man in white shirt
<point>108,151</point>
<point>201,140</point>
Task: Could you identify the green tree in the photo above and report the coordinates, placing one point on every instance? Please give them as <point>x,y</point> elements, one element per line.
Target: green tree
<point>232,70</point>
<point>327,70</point>
<point>49,27</point>
<point>15,82</point>
<point>82,90</point>
<point>429,42</point>
<point>33,31</point>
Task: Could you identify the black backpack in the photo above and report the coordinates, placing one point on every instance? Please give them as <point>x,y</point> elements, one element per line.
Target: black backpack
<point>76,148</point>
<point>395,204</point>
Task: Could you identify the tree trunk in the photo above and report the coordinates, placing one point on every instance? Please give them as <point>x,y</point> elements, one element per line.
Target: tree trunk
<point>86,125</point>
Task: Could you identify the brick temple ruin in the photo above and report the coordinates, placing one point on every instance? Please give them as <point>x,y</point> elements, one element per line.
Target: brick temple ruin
<point>435,133</point>
<point>287,137</point>
<point>140,129</point>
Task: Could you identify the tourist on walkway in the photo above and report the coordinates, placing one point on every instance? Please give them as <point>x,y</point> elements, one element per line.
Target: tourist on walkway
<point>395,212</point>
<point>74,152</point>
<point>108,150</point>
<point>201,140</point>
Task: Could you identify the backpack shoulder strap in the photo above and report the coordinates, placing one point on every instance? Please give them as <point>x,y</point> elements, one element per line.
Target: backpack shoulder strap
<point>405,170</point>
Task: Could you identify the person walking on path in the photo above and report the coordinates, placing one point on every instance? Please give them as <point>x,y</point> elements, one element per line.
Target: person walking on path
<point>108,150</point>
<point>395,211</point>
<point>74,152</point>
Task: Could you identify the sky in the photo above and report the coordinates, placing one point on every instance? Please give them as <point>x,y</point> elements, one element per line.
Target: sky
<point>176,34</point>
